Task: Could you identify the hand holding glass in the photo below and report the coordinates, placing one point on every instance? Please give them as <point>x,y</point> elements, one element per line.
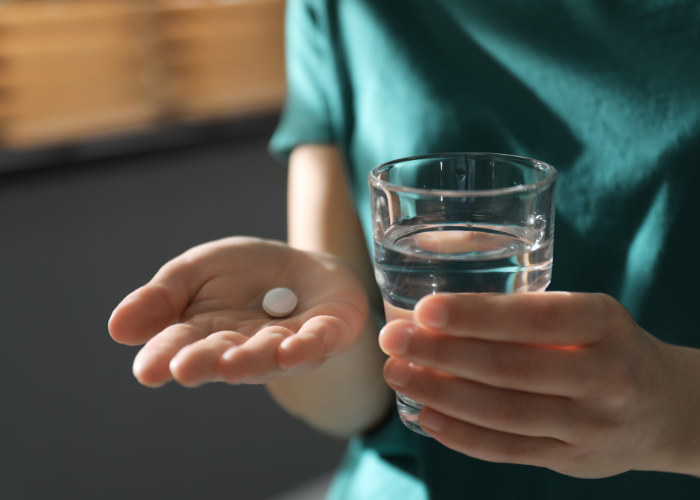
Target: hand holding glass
<point>459,223</point>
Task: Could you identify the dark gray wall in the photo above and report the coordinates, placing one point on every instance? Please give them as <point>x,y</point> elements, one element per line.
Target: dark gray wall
<point>74,240</point>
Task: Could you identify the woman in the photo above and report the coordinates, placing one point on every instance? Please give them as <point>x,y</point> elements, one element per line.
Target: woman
<point>607,93</point>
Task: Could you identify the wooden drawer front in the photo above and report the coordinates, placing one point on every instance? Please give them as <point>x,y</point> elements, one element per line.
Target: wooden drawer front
<point>229,102</point>
<point>22,13</point>
<point>256,19</point>
<point>25,42</point>
<point>73,67</point>
<point>68,98</point>
<point>77,125</point>
<point>79,68</point>
<point>223,59</point>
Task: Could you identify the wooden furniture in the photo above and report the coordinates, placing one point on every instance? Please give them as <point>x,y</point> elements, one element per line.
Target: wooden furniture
<point>74,69</point>
<point>222,57</point>
<point>71,69</point>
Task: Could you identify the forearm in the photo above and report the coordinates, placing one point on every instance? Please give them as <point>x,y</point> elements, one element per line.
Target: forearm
<point>320,214</point>
<point>347,394</point>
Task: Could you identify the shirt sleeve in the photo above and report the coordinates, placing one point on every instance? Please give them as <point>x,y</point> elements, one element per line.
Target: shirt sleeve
<point>306,116</point>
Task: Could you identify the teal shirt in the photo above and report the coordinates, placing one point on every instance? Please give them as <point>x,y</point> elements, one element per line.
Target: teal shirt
<point>607,91</point>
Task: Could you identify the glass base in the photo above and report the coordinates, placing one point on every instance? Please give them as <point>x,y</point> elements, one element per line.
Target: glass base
<point>408,412</point>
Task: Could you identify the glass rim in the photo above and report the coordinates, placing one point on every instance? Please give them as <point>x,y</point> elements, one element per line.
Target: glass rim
<point>553,174</point>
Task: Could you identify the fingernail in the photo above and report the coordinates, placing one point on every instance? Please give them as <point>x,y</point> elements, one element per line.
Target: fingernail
<point>432,315</point>
<point>229,354</point>
<point>432,420</point>
<point>286,343</point>
<point>284,346</point>
<point>398,374</point>
<point>394,340</point>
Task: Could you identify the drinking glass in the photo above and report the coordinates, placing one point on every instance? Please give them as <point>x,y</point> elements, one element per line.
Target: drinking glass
<point>459,223</point>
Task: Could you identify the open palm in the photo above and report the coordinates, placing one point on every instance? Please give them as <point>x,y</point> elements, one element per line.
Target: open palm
<point>202,320</point>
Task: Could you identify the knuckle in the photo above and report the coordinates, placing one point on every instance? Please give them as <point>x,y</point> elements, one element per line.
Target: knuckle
<point>617,315</point>
<point>606,300</point>
<point>619,390</point>
<point>583,428</point>
<point>582,431</point>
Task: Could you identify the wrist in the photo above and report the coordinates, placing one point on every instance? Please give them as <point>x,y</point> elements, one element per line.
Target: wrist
<point>344,396</point>
<point>681,449</point>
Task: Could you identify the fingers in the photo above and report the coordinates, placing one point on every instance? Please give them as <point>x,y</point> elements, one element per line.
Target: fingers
<point>152,363</point>
<point>551,318</point>
<point>185,353</point>
<point>234,358</point>
<point>318,338</point>
<point>490,445</point>
<point>144,313</point>
<point>161,302</point>
<point>544,370</point>
<point>272,351</point>
<point>493,408</point>
<point>151,308</point>
<point>254,361</point>
<point>198,363</point>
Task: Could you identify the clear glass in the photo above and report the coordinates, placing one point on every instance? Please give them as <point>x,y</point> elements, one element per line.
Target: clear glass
<point>459,223</point>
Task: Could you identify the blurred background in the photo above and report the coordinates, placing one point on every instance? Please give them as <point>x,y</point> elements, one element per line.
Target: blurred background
<point>131,130</point>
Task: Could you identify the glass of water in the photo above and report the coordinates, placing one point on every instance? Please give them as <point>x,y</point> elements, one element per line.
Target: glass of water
<point>459,223</point>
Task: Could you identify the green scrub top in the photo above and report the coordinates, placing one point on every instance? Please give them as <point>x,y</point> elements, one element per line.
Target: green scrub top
<point>606,91</point>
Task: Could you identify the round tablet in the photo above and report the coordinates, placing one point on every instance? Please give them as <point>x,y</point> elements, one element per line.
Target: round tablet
<point>279,302</point>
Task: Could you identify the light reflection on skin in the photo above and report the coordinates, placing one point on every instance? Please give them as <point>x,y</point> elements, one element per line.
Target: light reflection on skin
<point>393,312</point>
<point>560,347</point>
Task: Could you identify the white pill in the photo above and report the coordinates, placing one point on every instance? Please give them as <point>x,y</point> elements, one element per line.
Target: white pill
<point>279,302</point>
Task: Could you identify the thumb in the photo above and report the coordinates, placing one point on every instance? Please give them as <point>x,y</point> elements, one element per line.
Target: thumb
<point>155,306</point>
